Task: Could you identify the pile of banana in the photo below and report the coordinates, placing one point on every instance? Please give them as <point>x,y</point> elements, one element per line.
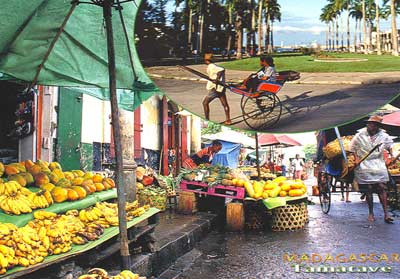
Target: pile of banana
<point>106,214</point>
<point>15,199</point>
<point>50,233</point>
<point>20,246</point>
<point>99,273</point>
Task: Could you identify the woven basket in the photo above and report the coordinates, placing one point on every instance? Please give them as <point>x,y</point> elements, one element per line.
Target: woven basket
<point>289,217</point>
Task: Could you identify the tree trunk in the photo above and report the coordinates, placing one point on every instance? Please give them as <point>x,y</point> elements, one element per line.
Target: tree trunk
<point>395,40</point>
<point>230,21</point>
<point>327,37</point>
<point>201,28</point>
<point>267,34</point>
<point>189,29</point>
<point>272,36</point>
<point>259,22</point>
<point>337,33</point>
<point>239,35</point>
<point>371,26</point>
<point>253,27</point>
<point>348,29</point>
<point>333,35</point>
<point>342,33</point>
<point>378,33</point>
<point>360,32</point>
<point>364,19</point>
<point>355,35</point>
<point>330,36</point>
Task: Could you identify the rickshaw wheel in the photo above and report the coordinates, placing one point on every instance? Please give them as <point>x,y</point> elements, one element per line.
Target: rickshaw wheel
<point>261,112</point>
<point>324,192</point>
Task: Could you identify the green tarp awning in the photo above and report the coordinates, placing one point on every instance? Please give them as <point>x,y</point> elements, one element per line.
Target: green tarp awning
<point>79,57</point>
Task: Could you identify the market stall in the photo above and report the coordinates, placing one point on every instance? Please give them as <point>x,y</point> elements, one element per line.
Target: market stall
<point>49,215</point>
<point>234,186</point>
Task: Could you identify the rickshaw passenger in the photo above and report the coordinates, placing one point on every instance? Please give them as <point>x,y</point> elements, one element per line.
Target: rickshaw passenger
<point>266,73</point>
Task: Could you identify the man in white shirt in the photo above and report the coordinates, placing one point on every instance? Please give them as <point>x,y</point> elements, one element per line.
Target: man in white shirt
<point>217,74</point>
<point>372,174</point>
<point>297,164</point>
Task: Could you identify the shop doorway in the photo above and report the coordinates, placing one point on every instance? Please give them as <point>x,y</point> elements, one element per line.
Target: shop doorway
<point>9,141</point>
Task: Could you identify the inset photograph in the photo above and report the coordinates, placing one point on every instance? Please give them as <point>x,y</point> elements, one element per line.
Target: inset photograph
<point>260,66</point>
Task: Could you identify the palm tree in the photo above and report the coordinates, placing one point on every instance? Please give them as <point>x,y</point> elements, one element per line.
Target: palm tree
<point>378,34</point>
<point>356,13</point>
<point>395,40</point>
<point>240,7</point>
<point>276,15</point>
<point>364,19</point>
<point>325,18</point>
<point>259,23</point>
<point>230,26</point>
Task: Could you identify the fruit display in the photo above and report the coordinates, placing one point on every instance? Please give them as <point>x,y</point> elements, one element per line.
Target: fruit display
<point>99,273</point>
<point>51,234</point>
<point>215,175</point>
<point>265,173</point>
<point>153,196</point>
<point>62,185</point>
<point>333,149</point>
<point>15,199</point>
<point>279,187</point>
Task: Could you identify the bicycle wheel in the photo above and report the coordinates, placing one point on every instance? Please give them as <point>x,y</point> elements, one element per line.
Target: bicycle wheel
<point>324,192</point>
<point>261,112</point>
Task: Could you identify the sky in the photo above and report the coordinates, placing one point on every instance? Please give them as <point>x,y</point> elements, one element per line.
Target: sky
<point>300,22</point>
<point>301,25</point>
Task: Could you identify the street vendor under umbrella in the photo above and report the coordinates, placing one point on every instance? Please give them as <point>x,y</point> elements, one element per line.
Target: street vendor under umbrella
<point>204,156</point>
<point>372,174</point>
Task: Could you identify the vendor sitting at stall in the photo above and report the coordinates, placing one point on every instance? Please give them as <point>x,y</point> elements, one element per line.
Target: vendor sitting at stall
<point>204,156</point>
<point>266,73</point>
<point>371,174</point>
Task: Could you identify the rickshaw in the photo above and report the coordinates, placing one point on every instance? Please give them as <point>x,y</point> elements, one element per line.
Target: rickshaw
<point>260,109</point>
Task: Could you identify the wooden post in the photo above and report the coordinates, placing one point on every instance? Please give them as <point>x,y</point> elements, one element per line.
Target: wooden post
<point>123,233</point>
<point>235,216</point>
<point>164,149</point>
<point>258,158</point>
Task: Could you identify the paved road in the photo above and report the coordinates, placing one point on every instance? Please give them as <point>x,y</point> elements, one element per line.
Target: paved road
<point>306,107</point>
<point>260,255</point>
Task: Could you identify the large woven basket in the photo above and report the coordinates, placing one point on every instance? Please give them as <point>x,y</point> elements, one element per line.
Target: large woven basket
<point>289,217</point>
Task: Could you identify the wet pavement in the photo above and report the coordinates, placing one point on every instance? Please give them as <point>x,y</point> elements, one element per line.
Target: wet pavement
<point>344,232</point>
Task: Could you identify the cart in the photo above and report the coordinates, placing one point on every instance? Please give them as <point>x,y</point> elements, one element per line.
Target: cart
<point>260,109</point>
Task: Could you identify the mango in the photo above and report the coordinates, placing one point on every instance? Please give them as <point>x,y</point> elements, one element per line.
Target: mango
<point>41,179</point>
<point>97,178</point>
<point>59,194</point>
<point>1,169</point>
<point>34,170</point>
<point>78,173</point>
<point>88,175</point>
<point>18,178</point>
<point>10,170</point>
<point>28,178</point>
<point>77,181</point>
<point>69,175</point>
<point>55,165</point>
<point>63,182</point>
<point>48,186</point>
<point>99,187</point>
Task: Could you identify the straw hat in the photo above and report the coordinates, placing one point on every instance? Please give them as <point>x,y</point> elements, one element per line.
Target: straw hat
<point>208,56</point>
<point>376,119</point>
